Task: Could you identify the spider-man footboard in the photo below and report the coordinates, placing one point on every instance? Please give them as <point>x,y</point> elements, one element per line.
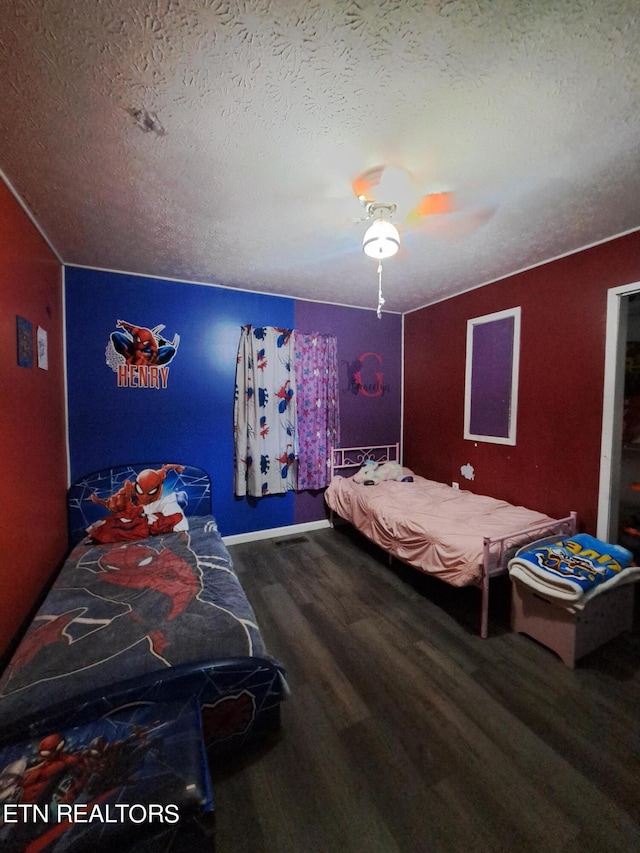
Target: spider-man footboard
<point>147,607</point>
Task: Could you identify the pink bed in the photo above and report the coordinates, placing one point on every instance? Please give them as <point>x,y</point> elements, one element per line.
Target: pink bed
<point>458,536</point>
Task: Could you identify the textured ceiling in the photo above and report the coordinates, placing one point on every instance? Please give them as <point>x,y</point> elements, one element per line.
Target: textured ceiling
<point>216,140</point>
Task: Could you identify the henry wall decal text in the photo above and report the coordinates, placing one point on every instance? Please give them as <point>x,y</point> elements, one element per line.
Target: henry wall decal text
<point>140,356</point>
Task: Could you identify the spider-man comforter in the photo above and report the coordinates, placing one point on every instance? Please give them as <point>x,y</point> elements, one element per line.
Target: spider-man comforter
<point>144,612</point>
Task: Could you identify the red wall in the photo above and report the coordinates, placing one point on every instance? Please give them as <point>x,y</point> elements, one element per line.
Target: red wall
<point>33,534</point>
<point>554,467</point>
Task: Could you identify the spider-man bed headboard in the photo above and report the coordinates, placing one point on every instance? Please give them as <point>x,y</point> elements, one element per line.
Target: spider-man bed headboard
<point>88,498</point>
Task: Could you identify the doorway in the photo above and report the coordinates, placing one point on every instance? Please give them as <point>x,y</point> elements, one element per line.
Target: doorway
<point>617,461</point>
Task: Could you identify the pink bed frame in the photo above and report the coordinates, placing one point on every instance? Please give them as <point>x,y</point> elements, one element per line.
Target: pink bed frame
<point>345,458</point>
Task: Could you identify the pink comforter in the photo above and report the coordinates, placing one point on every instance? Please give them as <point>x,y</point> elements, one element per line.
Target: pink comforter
<point>430,525</point>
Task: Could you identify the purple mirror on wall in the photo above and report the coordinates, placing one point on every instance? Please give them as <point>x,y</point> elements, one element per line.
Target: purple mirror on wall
<point>491,382</point>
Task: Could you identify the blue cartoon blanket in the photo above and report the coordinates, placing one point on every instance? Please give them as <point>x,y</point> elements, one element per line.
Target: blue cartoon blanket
<point>573,569</point>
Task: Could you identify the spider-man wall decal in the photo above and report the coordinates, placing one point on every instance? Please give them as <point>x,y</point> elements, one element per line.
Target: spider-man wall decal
<point>140,356</point>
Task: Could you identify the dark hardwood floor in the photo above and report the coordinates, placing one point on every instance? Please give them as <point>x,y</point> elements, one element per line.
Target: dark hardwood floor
<point>407,732</point>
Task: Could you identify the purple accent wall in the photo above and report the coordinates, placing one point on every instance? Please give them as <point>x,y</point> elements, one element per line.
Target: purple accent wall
<point>370,370</point>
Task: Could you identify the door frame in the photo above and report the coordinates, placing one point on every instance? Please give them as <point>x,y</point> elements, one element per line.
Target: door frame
<point>612,410</point>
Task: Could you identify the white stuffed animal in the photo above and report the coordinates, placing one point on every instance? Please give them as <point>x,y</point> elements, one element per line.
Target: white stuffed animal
<point>366,473</point>
<point>376,472</point>
<point>389,471</point>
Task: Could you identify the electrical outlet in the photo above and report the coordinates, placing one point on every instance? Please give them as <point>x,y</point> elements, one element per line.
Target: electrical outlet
<point>455,485</point>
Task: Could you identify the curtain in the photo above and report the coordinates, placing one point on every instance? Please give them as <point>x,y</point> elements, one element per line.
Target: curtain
<point>317,409</point>
<point>264,412</point>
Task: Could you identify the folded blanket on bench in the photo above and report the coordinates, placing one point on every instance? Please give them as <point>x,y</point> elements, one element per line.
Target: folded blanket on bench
<point>573,569</point>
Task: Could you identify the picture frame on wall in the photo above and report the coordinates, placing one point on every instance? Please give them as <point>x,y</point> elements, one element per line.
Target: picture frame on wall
<point>43,348</point>
<point>24,335</point>
<point>491,377</point>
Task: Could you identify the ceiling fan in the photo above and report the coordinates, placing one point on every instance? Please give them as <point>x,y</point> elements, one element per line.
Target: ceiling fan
<point>392,188</point>
<point>383,191</point>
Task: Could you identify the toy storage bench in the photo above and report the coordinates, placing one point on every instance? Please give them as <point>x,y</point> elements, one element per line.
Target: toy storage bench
<point>568,631</point>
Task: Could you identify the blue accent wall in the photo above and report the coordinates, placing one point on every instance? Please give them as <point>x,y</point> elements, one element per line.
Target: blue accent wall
<point>191,420</point>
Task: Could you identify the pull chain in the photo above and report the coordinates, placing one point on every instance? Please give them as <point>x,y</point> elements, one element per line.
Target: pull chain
<point>380,298</point>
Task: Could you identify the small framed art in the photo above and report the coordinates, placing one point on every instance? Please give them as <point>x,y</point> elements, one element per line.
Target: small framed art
<point>43,349</point>
<point>24,334</point>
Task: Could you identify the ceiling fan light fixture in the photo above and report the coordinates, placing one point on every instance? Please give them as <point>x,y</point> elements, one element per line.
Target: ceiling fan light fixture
<point>381,240</point>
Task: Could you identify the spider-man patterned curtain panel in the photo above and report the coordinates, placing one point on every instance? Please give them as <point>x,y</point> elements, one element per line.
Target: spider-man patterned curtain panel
<point>318,412</point>
<point>265,412</point>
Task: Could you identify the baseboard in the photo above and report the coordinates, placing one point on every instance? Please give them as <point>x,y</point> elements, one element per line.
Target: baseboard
<point>272,532</point>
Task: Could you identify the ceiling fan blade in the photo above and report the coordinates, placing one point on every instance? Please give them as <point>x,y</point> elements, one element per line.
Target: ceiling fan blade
<point>460,224</point>
<point>365,183</point>
<point>439,212</point>
<point>432,204</point>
